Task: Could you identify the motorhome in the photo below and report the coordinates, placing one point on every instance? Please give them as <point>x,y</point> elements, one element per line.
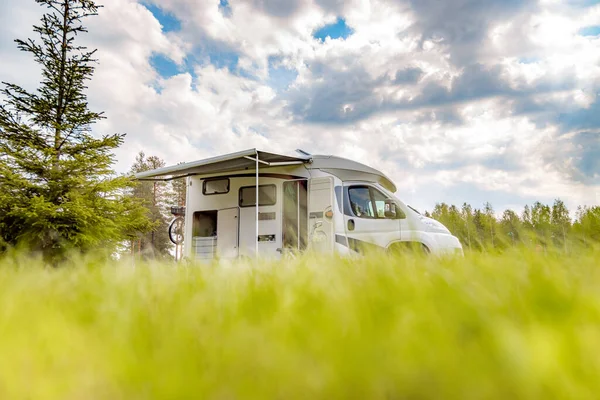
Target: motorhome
<point>258,203</point>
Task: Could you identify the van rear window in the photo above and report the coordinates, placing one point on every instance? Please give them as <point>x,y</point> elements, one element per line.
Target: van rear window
<point>215,186</point>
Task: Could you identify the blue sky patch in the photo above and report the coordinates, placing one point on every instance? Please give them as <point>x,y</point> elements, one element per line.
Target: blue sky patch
<point>168,21</point>
<point>590,31</point>
<point>220,57</point>
<point>225,8</point>
<point>164,66</point>
<point>280,77</point>
<point>334,31</point>
<point>583,3</point>
<point>529,60</point>
<point>224,59</point>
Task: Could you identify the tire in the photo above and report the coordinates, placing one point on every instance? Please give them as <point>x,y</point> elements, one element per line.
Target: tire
<point>176,230</point>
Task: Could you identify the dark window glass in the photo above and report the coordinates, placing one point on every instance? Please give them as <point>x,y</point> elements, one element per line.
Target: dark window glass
<point>267,196</point>
<point>216,186</point>
<point>295,224</point>
<point>380,199</point>
<point>360,201</point>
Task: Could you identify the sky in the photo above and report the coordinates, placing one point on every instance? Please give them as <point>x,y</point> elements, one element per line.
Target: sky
<point>455,100</point>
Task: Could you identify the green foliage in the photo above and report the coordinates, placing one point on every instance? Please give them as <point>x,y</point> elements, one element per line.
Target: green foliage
<point>587,226</point>
<point>57,189</point>
<point>520,325</point>
<point>179,190</point>
<point>540,226</point>
<point>156,198</point>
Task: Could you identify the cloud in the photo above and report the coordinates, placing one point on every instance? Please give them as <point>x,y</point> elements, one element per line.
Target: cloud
<point>581,117</point>
<point>16,66</point>
<point>277,8</point>
<point>408,75</point>
<point>461,26</point>
<point>334,96</point>
<point>456,100</point>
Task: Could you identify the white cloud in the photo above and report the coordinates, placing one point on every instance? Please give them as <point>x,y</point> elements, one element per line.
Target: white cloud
<point>398,94</point>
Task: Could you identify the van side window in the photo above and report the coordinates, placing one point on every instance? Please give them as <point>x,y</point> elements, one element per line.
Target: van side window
<point>267,196</point>
<point>215,186</point>
<point>360,201</point>
<point>379,199</point>
<point>368,202</point>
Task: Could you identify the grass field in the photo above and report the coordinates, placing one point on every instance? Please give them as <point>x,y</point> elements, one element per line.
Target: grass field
<point>512,326</point>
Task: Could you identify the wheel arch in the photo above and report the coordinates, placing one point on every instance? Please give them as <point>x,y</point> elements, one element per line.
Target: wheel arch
<point>404,244</point>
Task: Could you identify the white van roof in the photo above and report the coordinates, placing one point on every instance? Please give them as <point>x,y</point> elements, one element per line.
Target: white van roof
<point>346,170</point>
<point>343,168</point>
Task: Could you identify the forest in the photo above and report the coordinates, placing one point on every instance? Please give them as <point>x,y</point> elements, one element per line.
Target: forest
<point>540,226</point>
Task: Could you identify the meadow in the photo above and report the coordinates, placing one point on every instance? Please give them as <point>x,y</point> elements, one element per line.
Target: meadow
<point>516,325</point>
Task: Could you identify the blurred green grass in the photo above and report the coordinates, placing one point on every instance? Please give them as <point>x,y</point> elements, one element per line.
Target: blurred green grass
<point>511,326</point>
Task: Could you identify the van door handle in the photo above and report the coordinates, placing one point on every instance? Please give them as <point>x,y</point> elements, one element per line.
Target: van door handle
<point>351,225</point>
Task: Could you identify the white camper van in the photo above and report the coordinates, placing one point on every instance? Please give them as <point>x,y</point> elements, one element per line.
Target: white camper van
<point>305,202</point>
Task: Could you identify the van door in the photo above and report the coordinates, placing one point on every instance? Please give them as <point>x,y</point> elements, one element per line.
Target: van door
<point>295,216</point>
<point>368,227</point>
<point>320,226</point>
<point>269,221</point>
<point>227,232</point>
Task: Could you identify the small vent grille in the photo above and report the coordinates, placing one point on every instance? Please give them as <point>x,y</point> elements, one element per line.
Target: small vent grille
<point>266,216</point>
<point>266,238</point>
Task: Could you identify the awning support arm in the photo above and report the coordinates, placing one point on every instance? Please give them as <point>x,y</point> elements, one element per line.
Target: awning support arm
<point>256,237</point>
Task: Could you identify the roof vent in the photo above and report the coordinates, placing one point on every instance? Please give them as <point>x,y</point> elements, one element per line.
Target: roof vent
<point>303,152</point>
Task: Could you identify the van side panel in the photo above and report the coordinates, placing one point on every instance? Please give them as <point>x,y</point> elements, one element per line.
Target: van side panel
<point>320,203</point>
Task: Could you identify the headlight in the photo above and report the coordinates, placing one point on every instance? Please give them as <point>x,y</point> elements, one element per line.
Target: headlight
<point>435,226</point>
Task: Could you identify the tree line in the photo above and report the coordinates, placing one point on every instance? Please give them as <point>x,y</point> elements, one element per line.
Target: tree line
<point>541,226</point>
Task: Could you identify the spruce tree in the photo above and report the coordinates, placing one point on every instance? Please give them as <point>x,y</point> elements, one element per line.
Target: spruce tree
<point>57,188</point>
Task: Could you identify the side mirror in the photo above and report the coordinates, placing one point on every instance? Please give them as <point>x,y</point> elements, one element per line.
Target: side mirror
<point>391,211</point>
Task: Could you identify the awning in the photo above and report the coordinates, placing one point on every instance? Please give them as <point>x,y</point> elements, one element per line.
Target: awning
<point>229,162</point>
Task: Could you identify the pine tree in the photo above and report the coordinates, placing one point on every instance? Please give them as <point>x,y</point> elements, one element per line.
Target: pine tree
<point>489,222</point>
<point>467,216</point>
<point>587,225</point>
<point>561,222</point>
<point>540,220</point>
<point>179,189</point>
<point>511,226</point>
<point>57,188</point>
